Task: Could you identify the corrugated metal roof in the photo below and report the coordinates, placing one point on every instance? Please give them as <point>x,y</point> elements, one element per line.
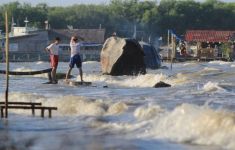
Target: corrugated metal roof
<point>208,35</point>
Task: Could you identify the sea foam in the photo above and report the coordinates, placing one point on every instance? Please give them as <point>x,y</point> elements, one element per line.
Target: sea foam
<point>196,124</point>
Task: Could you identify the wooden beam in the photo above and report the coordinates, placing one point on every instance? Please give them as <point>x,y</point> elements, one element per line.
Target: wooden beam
<point>22,103</point>
<point>29,107</point>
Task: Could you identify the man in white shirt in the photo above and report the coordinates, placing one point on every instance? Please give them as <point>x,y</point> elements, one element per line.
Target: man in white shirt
<point>54,59</point>
<point>75,57</point>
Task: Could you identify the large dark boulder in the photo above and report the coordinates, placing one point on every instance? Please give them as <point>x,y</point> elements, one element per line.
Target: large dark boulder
<point>152,58</point>
<point>161,85</point>
<point>122,57</point>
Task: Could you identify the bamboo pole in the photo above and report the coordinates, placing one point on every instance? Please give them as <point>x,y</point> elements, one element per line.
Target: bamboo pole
<point>172,47</point>
<point>168,44</point>
<point>7,65</point>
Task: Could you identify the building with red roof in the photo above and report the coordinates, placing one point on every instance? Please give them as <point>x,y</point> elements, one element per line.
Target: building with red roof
<point>208,36</point>
<point>210,43</point>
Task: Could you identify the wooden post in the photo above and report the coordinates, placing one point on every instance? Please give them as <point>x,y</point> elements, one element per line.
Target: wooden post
<point>172,45</point>
<point>2,114</point>
<point>49,111</point>
<point>33,109</point>
<point>42,112</point>
<point>168,44</point>
<point>7,65</point>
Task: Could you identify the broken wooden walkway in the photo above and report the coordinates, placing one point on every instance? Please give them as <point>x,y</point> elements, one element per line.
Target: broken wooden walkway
<point>27,105</point>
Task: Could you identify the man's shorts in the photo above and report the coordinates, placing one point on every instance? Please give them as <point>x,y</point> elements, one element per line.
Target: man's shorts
<point>54,59</point>
<point>76,59</point>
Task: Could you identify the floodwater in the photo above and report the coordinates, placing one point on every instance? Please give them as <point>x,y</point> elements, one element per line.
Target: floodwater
<point>197,112</point>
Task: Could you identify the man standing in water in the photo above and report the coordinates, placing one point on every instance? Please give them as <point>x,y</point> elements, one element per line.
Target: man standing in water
<point>75,57</point>
<point>54,59</point>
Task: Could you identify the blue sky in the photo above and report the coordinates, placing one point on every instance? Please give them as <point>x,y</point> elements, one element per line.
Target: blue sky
<point>71,2</point>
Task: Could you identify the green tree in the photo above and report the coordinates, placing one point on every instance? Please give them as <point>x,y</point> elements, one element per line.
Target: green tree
<point>150,17</point>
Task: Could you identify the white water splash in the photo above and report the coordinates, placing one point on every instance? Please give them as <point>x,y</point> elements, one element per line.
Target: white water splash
<point>211,87</point>
<point>198,125</point>
<point>179,79</point>
<point>232,66</point>
<point>148,80</point>
<point>209,69</point>
<point>220,62</point>
<point>69,105</point>
<point>117,108</point>
<point>144,113</point>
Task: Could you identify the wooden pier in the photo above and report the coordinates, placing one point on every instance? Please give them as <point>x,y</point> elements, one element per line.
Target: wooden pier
<point>27,105</point>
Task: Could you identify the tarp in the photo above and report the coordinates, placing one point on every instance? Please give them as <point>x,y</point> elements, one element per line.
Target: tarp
<point>152,58</point>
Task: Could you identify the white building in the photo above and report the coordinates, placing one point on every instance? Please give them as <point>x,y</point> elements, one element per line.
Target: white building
<point>21,31</point>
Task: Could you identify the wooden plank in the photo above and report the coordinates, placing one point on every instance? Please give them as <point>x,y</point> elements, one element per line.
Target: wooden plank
<point>22,103</point>
<point>29,107</point>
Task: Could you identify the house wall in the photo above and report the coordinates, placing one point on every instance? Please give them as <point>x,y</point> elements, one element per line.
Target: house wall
<point>32,48</point>
<point>31,43</point>
<point>29,47</point>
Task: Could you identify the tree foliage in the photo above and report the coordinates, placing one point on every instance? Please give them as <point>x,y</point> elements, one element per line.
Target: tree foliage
<point>150,17</point>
